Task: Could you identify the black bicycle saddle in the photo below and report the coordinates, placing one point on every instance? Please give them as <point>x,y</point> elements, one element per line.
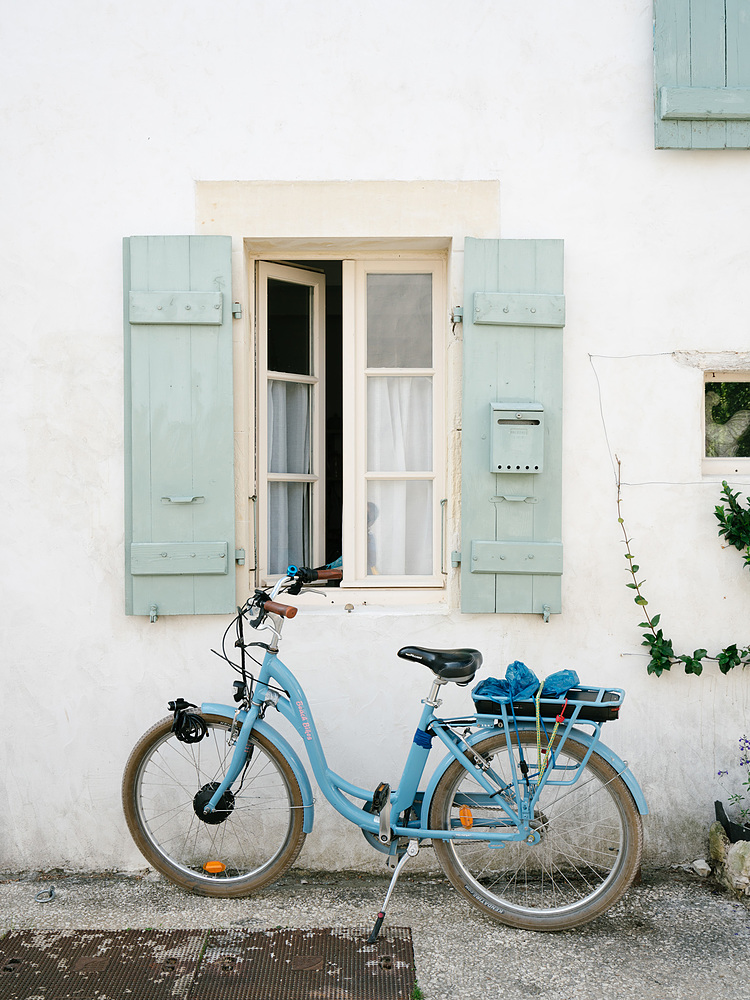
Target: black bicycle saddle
<point>458,665</point>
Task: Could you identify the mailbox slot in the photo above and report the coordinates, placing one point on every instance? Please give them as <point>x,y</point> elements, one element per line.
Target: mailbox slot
<point>516,437</point>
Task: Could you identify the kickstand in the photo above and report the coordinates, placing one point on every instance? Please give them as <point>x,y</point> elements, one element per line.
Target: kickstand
<point>411,851</point>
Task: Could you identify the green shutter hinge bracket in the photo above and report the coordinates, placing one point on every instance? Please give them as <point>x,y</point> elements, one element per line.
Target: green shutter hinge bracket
<point>239,557</point>
<point>153,613</point>
<point>237,310</point>
<point>457,316</point>
<point>545,612</point>
<point>455,559</point>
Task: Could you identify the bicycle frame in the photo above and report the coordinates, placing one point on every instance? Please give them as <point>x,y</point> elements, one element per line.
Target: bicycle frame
<point>515,823</point>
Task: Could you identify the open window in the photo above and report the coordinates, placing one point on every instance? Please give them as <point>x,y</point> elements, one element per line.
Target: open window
<point>350,440</point>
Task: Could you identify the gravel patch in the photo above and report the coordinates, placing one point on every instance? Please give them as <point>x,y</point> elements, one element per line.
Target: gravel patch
<point>676,936</point>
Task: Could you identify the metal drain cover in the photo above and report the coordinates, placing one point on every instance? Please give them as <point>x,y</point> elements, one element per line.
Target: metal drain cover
<point>329,964</point>
<point>233,964</point>
<point>99,965</point>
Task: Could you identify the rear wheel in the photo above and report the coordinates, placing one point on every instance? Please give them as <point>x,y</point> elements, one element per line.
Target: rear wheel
<point>588,855</point>
<point>252,838</point>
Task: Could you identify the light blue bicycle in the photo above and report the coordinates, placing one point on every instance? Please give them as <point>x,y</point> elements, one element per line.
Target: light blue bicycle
<point>532,818</point>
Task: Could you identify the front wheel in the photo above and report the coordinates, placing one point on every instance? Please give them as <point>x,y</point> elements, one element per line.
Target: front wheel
<point>248,842</point>
<point>590,847</point>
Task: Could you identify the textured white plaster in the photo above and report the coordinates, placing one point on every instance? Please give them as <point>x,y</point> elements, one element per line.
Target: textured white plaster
<point>113,116</point>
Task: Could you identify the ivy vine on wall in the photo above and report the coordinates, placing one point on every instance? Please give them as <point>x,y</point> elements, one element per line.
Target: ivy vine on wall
<point>734,526</point>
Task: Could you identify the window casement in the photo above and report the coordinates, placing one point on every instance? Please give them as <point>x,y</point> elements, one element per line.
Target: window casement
<point>726,423</point>
<point>349,417</point>
<point>340,358</point>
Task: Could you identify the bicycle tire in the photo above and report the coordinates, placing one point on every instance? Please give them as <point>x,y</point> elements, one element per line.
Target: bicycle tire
<point>589,854</point>
<point>261,832</point>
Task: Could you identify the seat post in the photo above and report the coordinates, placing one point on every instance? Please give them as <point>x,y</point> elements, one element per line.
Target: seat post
<point>432,699</point>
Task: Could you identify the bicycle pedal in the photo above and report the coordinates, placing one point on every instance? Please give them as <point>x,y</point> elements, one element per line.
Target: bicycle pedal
<point>380,796</point>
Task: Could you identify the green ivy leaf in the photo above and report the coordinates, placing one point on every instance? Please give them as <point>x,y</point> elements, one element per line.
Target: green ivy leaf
<point>642,601</point>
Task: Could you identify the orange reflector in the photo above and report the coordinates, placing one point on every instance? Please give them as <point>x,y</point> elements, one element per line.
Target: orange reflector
<point>467,820</point>
<point>214,867</point>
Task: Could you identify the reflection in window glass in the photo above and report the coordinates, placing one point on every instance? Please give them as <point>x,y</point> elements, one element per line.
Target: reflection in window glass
<point>728,419</point>
<point>399,527</point>
<point>399,320</point>
<point>288,526</point>
<point>289,327</point>
<point>289,427</point>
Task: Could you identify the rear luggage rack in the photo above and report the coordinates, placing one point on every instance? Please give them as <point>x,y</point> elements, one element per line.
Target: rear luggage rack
<point>587,704</point>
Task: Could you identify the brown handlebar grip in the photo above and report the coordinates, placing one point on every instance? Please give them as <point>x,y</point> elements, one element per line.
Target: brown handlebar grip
<point>329,574</point>
<point>285,610</point>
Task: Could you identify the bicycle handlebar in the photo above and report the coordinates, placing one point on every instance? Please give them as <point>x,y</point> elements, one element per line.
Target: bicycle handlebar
<point>284,610</point>
<point>292,582</point>
<point>306,575</point>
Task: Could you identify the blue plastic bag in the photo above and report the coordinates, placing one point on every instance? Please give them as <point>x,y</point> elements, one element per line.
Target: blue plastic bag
<point>519,684</point>
<point>556,685</point>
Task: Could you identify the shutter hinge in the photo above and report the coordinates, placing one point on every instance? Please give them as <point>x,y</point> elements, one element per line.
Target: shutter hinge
<point>457,316</point>
<point>153,613</point>
<point>455,559</point>
<point>237,310</point>
<point>239,557</point>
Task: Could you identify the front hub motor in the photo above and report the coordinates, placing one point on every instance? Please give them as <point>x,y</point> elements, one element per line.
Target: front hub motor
<point>223,807</point>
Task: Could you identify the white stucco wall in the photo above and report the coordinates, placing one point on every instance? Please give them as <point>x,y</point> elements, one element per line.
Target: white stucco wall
<point>111,117</point>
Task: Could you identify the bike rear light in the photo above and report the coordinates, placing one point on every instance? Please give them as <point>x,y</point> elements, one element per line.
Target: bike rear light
<point>214,867</point>
<point>467,820</point>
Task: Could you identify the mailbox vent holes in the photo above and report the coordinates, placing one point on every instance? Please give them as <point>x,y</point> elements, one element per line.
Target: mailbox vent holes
<point>519,468</point>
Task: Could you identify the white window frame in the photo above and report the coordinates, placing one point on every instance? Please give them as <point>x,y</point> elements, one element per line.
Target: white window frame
<point>355,266</point>
<point>356,372</point>
<point>282,272</point>
<point>722,466</point>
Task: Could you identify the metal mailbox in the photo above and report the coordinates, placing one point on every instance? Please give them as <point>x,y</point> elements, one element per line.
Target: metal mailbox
<point>516,437</point>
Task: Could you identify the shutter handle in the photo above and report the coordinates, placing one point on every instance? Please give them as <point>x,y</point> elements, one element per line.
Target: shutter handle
<point>189,499</point>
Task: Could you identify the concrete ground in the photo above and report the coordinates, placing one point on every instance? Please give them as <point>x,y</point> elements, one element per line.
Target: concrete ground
<point>676,936</point>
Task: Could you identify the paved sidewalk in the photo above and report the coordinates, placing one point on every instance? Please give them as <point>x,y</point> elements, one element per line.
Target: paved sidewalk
<point>674,937</point>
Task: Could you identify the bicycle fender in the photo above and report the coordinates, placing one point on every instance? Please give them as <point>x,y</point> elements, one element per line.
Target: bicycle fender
<point>227,712</point>
<point>604,751</point>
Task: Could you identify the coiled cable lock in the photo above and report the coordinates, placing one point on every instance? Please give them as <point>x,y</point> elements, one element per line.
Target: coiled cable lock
<point>187,726</point>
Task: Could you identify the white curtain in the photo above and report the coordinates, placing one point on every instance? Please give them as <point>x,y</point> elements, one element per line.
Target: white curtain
<point>399,439</point>
<point>288,452</point>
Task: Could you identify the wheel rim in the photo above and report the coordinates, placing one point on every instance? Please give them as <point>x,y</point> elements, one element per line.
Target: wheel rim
<point>581,854</point>
<point>250,838</point>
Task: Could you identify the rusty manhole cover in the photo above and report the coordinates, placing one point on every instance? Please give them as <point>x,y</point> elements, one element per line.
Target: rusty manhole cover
<point>233,964</point>
<point>106,965</point>
<point>330,964</point>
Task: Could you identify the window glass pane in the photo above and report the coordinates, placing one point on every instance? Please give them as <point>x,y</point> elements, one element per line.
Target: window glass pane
<point>399,320</point>
<point>289,327</point>
<point>399,424</point>
<point>288,526</point>
<point>289,427</point>
<point>399,528</point>
<point>728,419</point>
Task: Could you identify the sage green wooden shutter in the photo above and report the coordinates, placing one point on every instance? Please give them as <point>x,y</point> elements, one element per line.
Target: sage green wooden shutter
<point>511,503</point>
<point>702,74</point>
<point>179,433</point>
